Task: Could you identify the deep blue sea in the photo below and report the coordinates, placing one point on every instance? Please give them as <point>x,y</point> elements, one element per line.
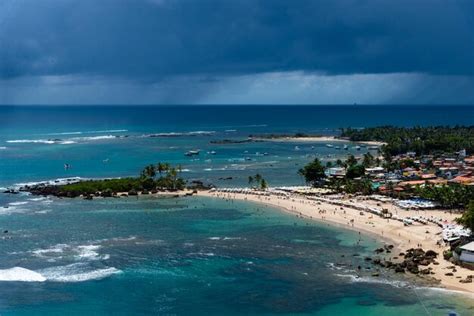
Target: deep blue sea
<point>194,255</point>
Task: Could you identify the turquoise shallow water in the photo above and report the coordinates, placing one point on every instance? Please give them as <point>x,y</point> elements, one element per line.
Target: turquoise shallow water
<point>189,255</point>
<point>194,256</point>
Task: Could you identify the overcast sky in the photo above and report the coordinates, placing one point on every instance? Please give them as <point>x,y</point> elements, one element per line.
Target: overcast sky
<point>236,52</point>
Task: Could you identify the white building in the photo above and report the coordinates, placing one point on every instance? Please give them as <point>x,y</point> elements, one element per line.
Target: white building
<point>467,252</point>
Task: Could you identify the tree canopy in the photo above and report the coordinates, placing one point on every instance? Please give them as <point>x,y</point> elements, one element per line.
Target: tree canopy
<point>313,172</point>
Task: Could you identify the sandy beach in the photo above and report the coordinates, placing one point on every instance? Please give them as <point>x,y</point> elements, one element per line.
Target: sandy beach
<point>315,139</point>
<point>389,231</point>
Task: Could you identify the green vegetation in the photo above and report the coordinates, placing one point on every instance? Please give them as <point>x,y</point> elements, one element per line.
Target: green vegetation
<point>113,185</point>
<point>351,186</point>
<point>448,196</point>
<point>313,172</point>
<point>354,181</point>
<point>355,171</point>
<point>260,182</point>
<point>168,180</point>
<point>467,218</point>
<point>422,140</point>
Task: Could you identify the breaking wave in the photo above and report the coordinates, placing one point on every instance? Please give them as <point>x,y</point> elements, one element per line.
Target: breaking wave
<point>89,132</point>
<point>69,273</point>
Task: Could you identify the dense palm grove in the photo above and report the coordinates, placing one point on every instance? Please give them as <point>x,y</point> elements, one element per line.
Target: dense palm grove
<point>422,140</point>
<point>161,176</point>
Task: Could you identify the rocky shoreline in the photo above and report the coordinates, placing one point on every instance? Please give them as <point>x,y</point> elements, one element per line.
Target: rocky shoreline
<point>57,191</point>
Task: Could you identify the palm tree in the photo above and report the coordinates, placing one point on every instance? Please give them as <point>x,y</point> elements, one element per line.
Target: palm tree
<point>251,180</point>
<point>173,174</point>
<point>149,172</point>
<point>368,160</point>
<point>162,167</point>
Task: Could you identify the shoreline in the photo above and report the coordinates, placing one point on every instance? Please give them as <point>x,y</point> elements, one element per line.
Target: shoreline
<point>386,231</point>
<point>317,139</point>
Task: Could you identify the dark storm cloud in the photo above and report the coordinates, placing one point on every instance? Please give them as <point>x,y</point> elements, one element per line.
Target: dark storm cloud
<point>148,40</point>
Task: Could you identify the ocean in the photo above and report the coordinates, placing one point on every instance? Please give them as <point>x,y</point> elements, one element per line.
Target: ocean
<point>193,255</point>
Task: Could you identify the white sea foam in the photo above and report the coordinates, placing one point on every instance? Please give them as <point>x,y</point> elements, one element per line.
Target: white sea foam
<point>3,147</point>
<point>42,212</point>
<point>100,137</point>
<point>76,273</point>
<point>69,273</point>
<point>33,141</point>
<point>178,134</point>
<point>6,210</point>
<point>17,203</point>
<point>365,279</point>
<point>21,275</point>
<point>67,142</point>
<point>88,252</point>
<point>59,181</point>
<point>40,199</point>
<point>231,238</point>
<point>79,253</point>
<point>89,132</point>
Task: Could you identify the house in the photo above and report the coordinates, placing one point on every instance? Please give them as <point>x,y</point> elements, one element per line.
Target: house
<point>463,180</point>
<point>336,172</point>
<point>467,252</point>
<point>374,171</point>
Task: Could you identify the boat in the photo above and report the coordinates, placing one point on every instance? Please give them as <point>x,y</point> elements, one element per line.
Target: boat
<point>337,147</point>
<point>357,147</point>
<point>297,148</point>
<point>329,145</point>
<point>265,154</point>
<point>192,153</point>
<point>211,152</point>
<point>346,147</point>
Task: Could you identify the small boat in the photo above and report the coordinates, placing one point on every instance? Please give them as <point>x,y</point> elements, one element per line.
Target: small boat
<point>329,145</point>
<point>357,147</point>
<point>337,147</point>
<point>346,147</point>
<point>211,152</point>
<point>248,159</point>
<point>192,153</point>
<point>265,154</point>
<point>312,147</point>
<point>297,148</point>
